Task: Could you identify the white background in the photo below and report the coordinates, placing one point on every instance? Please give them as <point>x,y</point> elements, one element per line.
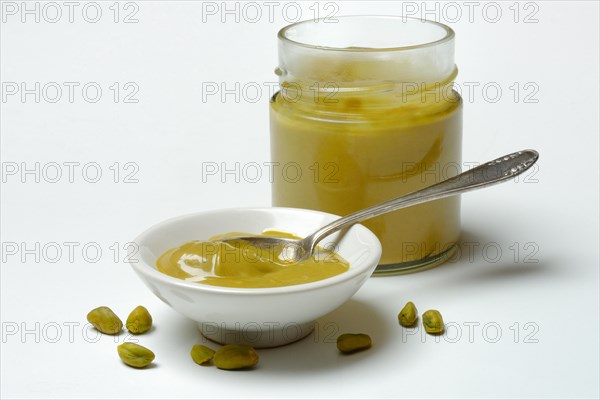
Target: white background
<point>533,307</point>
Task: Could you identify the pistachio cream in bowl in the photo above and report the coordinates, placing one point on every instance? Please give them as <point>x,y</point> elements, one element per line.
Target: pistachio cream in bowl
<point>238,294</point>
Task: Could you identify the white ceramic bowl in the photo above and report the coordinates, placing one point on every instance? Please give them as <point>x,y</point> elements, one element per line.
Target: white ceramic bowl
<point>263,317</point>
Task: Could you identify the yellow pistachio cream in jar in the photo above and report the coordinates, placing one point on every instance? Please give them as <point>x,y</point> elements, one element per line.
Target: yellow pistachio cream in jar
<point>366,113</point>
<point>240,265</point>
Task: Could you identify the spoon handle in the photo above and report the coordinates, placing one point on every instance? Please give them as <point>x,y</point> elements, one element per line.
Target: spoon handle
<point>490,173</point>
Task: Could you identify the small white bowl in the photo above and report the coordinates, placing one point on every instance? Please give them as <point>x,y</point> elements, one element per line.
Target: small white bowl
<point>264,317</point>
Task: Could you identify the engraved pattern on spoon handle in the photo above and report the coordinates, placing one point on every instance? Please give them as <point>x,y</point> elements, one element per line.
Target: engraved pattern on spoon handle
<point>490,173</point>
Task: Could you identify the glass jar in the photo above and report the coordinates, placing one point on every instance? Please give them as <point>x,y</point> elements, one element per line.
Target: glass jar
<point>366,113</point>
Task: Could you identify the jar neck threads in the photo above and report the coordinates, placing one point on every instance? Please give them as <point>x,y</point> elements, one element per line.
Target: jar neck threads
<point>372,63</point>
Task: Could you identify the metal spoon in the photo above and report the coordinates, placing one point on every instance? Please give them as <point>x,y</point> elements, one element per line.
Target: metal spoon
<point>490,173</point>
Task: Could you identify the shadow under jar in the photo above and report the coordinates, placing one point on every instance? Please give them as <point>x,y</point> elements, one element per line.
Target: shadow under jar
<point>366,113</point>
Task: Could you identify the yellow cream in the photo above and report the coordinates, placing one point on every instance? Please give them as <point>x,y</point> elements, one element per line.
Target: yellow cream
<point>240,265</point>
<point>349,166</point>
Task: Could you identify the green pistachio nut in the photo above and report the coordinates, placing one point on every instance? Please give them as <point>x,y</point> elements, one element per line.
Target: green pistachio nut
<point>105,320</point>
<point>352,342</point>
<point>139,320</point>
<point>433,322</point>
<point>408,315</point>
<point>135,355</point>
<point>235,356</point>
<point>202,354</point>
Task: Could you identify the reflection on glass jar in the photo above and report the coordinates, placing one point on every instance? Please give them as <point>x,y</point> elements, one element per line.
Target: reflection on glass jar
<point>366,113</point>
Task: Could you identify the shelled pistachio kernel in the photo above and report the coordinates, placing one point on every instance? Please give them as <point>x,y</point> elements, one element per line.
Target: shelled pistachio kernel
<point>139,320</point>
<point>408,315</point>
<point>353,342</point>
<point>235,356</point>
<point>135,355</point>
<point>433,322</point>
<point>105,320</point>
<point>202,354</point>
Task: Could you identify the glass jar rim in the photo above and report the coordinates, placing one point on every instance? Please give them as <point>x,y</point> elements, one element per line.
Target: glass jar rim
<point>449,35</point>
